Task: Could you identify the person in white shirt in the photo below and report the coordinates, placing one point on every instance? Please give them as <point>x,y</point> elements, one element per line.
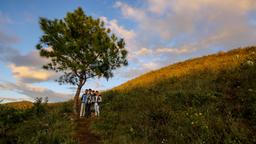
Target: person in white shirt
<point>83,103</point>
<point>97,102</point>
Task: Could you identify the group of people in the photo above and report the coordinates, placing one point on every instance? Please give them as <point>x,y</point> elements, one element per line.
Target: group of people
<point>90,100</point>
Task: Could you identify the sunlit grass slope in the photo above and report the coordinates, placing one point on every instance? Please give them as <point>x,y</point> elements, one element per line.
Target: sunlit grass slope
<point>27,104</point>
<point>20,104</point>
<point>211,99</point>
<point>214,63</point>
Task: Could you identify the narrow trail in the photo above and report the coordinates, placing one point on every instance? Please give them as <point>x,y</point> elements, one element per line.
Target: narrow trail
<point>83,134</point>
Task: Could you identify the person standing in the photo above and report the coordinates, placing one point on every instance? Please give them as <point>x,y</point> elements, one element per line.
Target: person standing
<point>98,100</point>
<point>93,100</point>
<point>83,103</point>
<point>88,103</point>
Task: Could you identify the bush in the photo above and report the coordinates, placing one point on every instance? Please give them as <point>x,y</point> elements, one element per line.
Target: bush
<point>39,124</point>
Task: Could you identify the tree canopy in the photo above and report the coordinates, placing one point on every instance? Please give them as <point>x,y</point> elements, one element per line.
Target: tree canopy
<point>80,47</point>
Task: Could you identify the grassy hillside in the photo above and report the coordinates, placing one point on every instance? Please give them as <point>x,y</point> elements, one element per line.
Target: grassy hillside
<point>214,63</point>
<point>36,123</point>
<point>20,104</point>
<point>211,99</point>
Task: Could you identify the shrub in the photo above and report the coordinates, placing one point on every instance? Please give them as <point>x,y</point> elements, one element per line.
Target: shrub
<point>39,124</point>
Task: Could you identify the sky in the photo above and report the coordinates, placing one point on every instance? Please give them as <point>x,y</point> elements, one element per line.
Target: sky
<point>157,33</point>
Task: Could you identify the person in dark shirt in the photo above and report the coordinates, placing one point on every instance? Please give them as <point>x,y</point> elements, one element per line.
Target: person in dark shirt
<point>83,103</point>
<point>88,103</point>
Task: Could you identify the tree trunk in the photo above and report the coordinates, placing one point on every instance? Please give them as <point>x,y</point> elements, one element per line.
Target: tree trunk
<point>76,99</point>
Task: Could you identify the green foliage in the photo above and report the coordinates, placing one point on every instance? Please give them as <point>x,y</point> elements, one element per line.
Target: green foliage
<point>203,106</point>
<point>37,125</point>
<point>66,107</point>
<point>38,106</point>
<point>81,47</point>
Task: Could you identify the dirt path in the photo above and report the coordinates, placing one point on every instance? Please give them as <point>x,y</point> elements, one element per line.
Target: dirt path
<point>83,134</point>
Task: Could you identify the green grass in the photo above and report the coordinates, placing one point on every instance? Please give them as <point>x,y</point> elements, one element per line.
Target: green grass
<point>211,99</point>
<point>39,124</point>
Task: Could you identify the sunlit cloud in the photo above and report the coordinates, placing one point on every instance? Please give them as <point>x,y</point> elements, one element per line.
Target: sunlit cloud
<point>151,66</point>
<point>128,35</point>
<point>30,74</point>
<point>119,30</point>
<point>192,21</point>
<point>172,50</point>
<point>129,11</point>
<point>143,51</point>
<point>24,67</point>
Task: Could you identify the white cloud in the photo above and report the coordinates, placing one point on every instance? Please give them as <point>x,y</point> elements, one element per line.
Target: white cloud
<point>172,50</point>
<point>7,99</point>
<point>157,6</point>
<point>34,91</point>
<point>150,66</point>
<point>130,72</point>
<point>196,19</point>
<point>25,68</point>
<point>128,35</point>
<point>31,74</point>
<point>131,12</point>
<point>30,59</point>
<point>143,51</point>
<point>95,84</point>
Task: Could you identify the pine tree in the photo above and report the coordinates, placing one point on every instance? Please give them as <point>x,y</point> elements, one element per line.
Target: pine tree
<point>80,47</point>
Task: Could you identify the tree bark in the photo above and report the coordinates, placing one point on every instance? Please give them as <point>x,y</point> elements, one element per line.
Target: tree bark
<point>76,98</point>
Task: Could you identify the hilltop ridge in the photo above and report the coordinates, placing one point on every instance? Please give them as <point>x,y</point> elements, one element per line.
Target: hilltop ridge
<point>214,62</point>
<point>20,104</point>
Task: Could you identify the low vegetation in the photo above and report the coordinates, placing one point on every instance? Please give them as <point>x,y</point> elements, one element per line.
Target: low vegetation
<point>211,99</point>
<point>37,123</point>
